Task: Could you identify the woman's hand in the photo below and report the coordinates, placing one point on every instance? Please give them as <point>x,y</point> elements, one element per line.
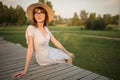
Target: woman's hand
<point>71,55</point>
<point>19,74</point>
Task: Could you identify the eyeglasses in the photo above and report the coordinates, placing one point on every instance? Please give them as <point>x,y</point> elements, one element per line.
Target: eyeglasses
<point>41,13</point>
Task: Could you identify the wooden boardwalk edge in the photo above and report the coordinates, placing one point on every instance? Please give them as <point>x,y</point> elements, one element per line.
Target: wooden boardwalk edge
<point>12,59</point>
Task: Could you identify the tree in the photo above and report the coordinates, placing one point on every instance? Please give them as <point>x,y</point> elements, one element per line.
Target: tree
<point>6,16</point>
<point>75,20</point>
<point>115,19</point>
<point>49,4</point>
<point>92,16</point>
<point>83,16</point>
<point>56,19</point>
<point>90,21</point>
<point>46,2</point>
<point>21,18</point>
<point>1,13</point>
<point>13,19</point>
<point>95,23</point>
<point>43,1</point>
<point>107,19</point>
<point>99,24</point>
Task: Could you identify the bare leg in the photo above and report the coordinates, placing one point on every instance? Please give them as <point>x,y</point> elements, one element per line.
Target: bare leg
<point>60,60</point>
<point>69,61</point>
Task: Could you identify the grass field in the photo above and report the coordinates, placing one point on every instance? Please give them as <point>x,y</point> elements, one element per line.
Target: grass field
<point>101,56</point>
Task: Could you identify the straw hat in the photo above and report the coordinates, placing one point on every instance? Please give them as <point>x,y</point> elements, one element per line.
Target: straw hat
<point>30,9</point>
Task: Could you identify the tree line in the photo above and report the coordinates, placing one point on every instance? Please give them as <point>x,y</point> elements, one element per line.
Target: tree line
<point>11,16</point>
<point>17,16</point>
<point>89,20</point>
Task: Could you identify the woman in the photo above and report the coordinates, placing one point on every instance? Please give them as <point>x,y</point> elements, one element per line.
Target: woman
<point>38,37</point>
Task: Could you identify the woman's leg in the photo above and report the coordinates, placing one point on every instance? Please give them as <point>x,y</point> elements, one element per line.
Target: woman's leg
<point>69,61</point>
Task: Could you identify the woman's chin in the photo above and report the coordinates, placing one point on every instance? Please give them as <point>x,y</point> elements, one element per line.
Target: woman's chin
<point>40,21</point>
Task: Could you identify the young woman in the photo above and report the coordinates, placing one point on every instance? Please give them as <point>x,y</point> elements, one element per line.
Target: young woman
<point>38,37</point>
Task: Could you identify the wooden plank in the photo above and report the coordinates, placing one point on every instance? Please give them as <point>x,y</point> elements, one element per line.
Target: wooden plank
<point>53,72</point>
<point>79,75</point>
<point>13,69</point>
<point>10,51</point>
<point>44,71</point>
<point>14,65</point>
<point>65,74</point>
<point>11,62</point>
<point>90,77</point>
<point>102,78</point>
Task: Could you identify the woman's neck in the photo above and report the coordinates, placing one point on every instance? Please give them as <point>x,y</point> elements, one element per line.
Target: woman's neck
<point>40,25</point>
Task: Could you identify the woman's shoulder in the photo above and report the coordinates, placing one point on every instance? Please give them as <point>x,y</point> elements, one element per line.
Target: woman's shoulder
<point>30,26</point>
<point>46,28</point>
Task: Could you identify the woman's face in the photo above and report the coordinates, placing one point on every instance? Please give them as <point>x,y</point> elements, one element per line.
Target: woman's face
<point>39,16</point>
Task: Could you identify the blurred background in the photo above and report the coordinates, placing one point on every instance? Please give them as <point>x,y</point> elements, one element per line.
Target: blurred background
<point>88,28</point>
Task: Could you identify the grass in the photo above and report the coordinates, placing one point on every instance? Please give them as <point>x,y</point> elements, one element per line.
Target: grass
<point>70,29</point>
<point>98,55</point>
<point>101,56</point>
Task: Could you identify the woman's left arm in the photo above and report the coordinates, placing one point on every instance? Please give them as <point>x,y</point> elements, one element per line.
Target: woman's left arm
<point>60,46</point>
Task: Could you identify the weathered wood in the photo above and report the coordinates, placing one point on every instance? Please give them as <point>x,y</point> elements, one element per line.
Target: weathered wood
<point>102,78</point>
<point>79,75</point>
<point>90,77</point>
<point>12,59</point>
<point>65,75</point>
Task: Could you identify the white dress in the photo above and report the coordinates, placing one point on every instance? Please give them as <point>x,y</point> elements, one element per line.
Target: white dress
<point>45,54</point>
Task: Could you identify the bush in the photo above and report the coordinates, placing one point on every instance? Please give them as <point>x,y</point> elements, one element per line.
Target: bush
<point>97,24</point>
<point>112,27</point>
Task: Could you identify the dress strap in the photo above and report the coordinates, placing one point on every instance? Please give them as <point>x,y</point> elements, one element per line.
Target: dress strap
<point>48,31</point>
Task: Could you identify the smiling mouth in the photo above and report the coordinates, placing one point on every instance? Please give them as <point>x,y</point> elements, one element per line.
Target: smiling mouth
<point>39,18</point>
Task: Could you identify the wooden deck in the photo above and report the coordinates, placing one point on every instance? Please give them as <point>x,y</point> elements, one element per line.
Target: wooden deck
<point>12,59</point>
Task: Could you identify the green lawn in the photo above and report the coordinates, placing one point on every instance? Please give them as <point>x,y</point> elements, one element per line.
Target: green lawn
<point>101,56</point>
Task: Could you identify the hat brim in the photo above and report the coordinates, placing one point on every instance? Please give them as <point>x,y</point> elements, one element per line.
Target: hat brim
<point>30,9</point>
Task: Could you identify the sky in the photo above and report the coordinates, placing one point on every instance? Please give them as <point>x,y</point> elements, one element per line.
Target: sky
<point>67,8</point>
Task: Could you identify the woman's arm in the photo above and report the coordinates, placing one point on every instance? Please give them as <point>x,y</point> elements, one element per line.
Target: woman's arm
<point>29,52</point>
<point>60,46</point>
<point>28,58</point>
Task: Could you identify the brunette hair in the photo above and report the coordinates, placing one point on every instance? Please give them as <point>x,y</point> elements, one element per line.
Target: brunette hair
<point>34,22</point>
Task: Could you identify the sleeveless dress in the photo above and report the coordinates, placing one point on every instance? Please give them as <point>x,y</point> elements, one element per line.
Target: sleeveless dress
<point>45,54</point>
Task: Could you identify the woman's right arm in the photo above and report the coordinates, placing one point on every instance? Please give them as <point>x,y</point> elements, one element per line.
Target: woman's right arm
<point>28,58</point>
<point>29,52</point>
